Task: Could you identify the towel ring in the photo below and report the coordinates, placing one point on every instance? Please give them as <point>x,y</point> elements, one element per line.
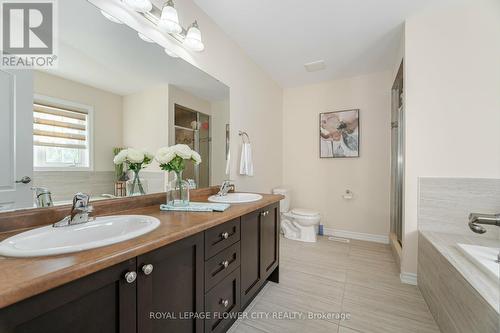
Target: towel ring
<point>243,135</point>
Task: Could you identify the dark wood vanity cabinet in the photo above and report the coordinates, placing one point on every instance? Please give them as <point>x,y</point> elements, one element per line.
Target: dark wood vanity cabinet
<point>214,273</point>
<point>103,302</point>
<point>259,250</point>
<point>173,289</point>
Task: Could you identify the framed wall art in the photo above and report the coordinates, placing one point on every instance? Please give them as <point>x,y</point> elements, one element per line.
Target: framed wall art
<point>339,134</point>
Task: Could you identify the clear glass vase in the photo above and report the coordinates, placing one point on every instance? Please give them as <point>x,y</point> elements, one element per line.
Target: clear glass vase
<point>136,186</point>
<point>177,191</point>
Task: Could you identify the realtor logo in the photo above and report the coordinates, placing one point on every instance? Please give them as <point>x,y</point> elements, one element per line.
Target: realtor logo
<point>28,33</point>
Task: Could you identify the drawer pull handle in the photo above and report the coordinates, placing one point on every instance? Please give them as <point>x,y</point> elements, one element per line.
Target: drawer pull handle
<point>265,213</point>
<point>224,302</point>
<point>130,277</point>
<point>225,235</point>
<point>147,269</point>
<point>225,263</point>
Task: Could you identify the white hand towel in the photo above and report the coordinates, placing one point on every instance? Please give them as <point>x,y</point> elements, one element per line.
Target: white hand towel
<point>246,163</point>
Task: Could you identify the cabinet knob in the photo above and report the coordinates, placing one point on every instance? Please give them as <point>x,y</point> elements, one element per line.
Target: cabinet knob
<point>147,269</point>
<point>224,302</point>
<point>265,213</point>
<point>225,235</point>
<point>130,277</point>
<point>225,263</point>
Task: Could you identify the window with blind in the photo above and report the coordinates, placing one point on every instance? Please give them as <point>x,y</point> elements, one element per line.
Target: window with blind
<point>61,136</point>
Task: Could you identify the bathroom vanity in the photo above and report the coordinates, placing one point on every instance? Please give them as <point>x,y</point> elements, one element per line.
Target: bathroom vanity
<point>194,273</point>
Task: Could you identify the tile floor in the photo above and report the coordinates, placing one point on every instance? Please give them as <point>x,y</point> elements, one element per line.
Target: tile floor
<point>359,279</point>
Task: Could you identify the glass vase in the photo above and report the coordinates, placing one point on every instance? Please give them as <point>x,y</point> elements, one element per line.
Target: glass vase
<point>177,191</point>
<point>136,186</point>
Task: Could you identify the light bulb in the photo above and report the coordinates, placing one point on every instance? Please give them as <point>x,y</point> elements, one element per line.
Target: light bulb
<point>193,38</point>
<point>111,17</point>
<point>171,53</point>
<point>141,6</point>
<point>169,20</point>
<point>145,38</point>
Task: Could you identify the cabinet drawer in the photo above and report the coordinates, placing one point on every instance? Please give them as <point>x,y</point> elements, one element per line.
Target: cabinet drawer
<point>220,237</point>
<point>223,303</point>
<point>220,265</point>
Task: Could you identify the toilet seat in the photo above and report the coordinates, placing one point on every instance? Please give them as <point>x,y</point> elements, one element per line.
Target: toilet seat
<point>304,212</point>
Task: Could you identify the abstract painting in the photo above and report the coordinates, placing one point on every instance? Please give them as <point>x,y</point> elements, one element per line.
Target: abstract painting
<point>339,134</point>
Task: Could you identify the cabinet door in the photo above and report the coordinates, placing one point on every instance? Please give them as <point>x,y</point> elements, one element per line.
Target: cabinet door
<point>173,289</point>
<point>250,256</point>
<point>99,303</point>
<point>269,227</point>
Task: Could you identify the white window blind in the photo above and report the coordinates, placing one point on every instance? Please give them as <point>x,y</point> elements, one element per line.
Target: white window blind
<point>60,136</point>
<point>58,127</point>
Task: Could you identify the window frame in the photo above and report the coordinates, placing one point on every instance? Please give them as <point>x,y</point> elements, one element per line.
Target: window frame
<point>65,104</point>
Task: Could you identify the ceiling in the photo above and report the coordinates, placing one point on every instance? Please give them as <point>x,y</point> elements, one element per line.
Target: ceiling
<point>109,56</point>
<point>352,36</point>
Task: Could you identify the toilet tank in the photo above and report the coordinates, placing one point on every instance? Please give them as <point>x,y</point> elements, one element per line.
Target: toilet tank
<point>284,203</point>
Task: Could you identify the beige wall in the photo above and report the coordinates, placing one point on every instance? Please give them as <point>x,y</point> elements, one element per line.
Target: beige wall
<point>255,99</point>
<point>220,117</point>
<point>107,113</point>
<point>145,120</point>
<point>452,57</point>
<point>320,183</point>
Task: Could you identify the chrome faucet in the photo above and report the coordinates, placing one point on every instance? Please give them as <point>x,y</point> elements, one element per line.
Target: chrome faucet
<point>488,219</point>
<point>43,197</point>
<point>80,212</point>
<point>225,188</point>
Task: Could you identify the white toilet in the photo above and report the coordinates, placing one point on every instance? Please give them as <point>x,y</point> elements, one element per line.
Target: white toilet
<point>297,224</point>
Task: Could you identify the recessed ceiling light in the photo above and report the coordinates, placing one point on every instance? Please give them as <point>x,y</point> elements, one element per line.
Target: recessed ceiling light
<point>315,66</point>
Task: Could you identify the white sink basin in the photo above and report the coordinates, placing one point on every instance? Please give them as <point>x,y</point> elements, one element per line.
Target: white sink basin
<point>235,198</point>
<point>484,257</point>
<point>103,231</point>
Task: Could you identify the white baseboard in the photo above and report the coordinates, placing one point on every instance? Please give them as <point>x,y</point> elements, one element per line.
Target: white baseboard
<point>356,235</point>
<point>408,278</point>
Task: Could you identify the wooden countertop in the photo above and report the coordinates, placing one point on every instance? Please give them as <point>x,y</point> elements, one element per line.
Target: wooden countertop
<point>26,277</point>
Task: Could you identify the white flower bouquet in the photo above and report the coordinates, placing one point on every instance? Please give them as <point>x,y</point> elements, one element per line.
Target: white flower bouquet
<point>135,160</point>
<point>173,159</point>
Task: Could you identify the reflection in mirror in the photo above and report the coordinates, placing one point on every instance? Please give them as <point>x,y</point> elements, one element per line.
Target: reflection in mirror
<point>113,90</point>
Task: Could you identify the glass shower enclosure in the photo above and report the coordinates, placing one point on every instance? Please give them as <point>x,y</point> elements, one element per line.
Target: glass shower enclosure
<point>397,156</point>
<point>192,128</point>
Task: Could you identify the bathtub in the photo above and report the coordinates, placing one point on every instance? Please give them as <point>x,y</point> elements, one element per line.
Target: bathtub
<point>486,258</point>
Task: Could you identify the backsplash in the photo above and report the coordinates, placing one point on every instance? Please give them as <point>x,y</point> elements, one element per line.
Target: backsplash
<point>63,185</point>
<point>445,204</point>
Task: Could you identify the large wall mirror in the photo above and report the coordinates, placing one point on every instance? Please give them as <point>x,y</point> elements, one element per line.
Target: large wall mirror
<point>111,90</point>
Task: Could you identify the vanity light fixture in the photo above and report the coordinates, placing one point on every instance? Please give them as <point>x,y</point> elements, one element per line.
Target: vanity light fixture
<point>171,53</point>
<point>111,17</point>
<point>193,38</point>
<point>145,38</point>
<point>141,6</point>
<point>169,20</point>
